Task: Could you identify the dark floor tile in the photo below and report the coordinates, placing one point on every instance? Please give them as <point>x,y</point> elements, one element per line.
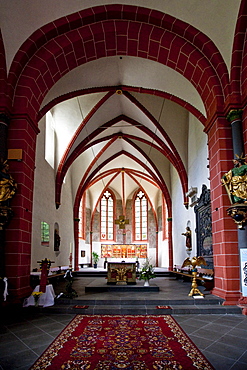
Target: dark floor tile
<point>51,327</point>
<point>7,337</point>
<point>218,328</point>
<point>239,366</point>
<point>24,360</point>
<point>217,361</point>
<point>207,334</point>
<point>26,334</point>
<point>234,340</point>
<point>35,342</point>
<point>201,343</point>
<point>188,328</point>
<point>15,347</point>
<point>243,357</point>
<point>228,351</point>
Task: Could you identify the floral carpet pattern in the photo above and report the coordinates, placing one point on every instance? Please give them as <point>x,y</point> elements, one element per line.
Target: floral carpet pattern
<point>130,342</point>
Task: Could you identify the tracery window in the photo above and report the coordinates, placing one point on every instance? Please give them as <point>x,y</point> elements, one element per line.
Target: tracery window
<point>82,217</point>
<point>141,216</point>
<point>45,233</point>
<point>107,216</point>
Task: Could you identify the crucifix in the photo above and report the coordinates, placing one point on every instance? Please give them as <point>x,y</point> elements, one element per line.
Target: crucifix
<point>121,222</point>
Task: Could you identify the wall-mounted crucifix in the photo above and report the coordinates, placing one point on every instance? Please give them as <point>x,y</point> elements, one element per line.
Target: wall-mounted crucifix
<point>122,222</point>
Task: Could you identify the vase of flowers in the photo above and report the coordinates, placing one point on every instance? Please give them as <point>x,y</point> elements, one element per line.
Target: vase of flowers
<point>36,296</point>
<point>147,272</point>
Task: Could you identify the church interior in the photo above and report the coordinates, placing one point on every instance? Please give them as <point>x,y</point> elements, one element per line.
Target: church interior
<point>122,141</point>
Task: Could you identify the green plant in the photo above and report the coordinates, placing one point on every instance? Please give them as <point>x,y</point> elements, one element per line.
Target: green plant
<point>147,271</point>
<point>95,258</point>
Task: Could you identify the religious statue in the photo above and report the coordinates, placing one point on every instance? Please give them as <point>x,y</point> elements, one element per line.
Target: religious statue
<point>235,181</point>
<point>57,240</point>
<point>187,234</point>
<point>7,184</point>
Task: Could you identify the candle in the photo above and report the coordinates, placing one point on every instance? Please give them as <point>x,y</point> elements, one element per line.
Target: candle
<point>70,248</point>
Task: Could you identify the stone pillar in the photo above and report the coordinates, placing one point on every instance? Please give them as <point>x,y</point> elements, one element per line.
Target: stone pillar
<point>225,238</point>
<point>21,135</point>
<point>4,214</point>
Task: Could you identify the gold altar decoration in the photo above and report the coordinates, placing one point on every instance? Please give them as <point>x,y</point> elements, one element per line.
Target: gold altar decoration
<point>238,213</point>
<point>122,222</point>
<point>124,251</point>
<point>195,261</point>
<point>121,273</point>
<point>121,276</point>
<point>235,182</point>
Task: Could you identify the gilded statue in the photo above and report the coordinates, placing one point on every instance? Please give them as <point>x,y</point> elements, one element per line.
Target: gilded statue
<point>235,181</point>
<point>195,261</point>
<point>7,183</point>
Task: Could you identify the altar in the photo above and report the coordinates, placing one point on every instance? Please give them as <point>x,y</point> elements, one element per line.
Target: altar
<point>121,273</point>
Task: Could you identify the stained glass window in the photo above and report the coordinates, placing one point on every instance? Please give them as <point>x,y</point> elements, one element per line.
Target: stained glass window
<point>45,233</point>
<point>106,216</point>
<point>141,213</point>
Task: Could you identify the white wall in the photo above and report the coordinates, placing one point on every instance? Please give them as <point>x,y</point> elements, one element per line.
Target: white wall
<point>44,210</point>
<point>198,174</point>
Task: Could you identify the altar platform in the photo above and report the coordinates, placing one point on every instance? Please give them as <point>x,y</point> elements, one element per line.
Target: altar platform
<point>100,285</point>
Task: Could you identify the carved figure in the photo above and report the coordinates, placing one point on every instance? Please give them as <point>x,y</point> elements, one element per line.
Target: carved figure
<point>56,241</point>
<point>187,234</point>
<point>235,181</point>
<point>7,183</point>
<point>195,261</point>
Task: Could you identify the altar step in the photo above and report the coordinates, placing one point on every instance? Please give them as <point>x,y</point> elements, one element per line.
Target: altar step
<point>141,307</point>
<point>100,272</point>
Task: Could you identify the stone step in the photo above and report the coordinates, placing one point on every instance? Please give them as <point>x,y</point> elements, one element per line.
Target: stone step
<point>125,309</point>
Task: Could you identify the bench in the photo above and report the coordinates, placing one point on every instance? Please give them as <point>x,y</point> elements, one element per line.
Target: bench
<point>54,275</point>
<point>204,276</point>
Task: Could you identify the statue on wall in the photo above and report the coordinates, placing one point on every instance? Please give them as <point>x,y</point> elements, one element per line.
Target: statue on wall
<point>187,234</point>
<point>7,183</point>
<point>57,240</point>
<point>235,181</point>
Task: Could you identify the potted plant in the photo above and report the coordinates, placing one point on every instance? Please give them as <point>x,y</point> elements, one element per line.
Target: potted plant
<point>95,259</point>
<point>146,272</point>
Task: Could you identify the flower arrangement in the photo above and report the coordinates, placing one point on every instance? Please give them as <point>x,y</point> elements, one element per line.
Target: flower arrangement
<point>147,271</point>
<point>36,296</point>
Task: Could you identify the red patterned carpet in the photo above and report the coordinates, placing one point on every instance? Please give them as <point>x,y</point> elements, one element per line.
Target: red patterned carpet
<point>106,342</point>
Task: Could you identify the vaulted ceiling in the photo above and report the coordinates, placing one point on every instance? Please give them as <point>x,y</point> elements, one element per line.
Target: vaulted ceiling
<point>121,120</point>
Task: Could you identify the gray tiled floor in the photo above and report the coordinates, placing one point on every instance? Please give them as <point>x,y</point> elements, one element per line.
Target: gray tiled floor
<point>26,333</point>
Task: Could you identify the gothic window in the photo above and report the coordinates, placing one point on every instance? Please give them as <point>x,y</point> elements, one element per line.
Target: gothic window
<point>45,233</point>
<point>107,216</point>
<point>49,140</point>
<point>141,216</point>
<point>82,217</point>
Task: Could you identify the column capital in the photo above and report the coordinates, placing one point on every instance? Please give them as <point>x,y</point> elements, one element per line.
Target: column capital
<point>234,114</point>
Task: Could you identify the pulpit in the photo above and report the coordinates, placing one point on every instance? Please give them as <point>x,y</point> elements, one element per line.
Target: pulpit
<point>121,273</point>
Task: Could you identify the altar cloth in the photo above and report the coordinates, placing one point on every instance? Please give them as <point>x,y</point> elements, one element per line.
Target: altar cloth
<point>46,299</point>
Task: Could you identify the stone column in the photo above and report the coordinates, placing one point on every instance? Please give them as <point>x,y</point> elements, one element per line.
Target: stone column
<point>4,123</point>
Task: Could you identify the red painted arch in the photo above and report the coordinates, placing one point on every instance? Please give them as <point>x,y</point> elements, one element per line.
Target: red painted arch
<point>62,45</point>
